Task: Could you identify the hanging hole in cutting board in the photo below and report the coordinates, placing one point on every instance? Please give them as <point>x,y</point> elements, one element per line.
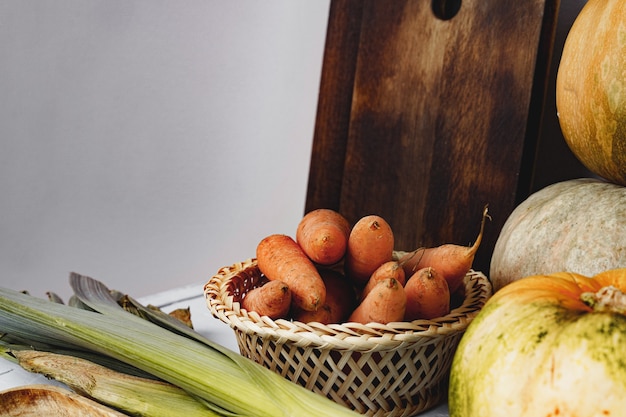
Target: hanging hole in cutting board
<point>445,9</point>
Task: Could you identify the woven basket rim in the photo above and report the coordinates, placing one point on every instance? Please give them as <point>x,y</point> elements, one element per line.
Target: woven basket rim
<point>342,336</point>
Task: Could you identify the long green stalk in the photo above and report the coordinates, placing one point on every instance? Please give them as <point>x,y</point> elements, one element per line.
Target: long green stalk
<point>233,384</point>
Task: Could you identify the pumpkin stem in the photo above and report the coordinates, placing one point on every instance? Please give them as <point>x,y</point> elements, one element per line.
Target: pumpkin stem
<point>607,299</point>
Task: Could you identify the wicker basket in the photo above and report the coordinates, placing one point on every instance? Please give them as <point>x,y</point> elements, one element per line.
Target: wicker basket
<point>398,369</point>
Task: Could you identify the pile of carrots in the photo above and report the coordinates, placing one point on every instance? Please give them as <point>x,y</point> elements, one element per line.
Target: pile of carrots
<point>334,273</point>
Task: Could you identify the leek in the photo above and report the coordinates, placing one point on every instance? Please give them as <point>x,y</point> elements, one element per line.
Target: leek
<point>94,295</point>
<point>226,381</point>
<point>133,395</point>
<point>8,347</point>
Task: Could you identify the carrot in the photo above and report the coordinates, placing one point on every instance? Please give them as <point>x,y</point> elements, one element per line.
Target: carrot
<point>450,260</point>
<point>272,299</point>
<point>341,299</point>
<point>427,295</point>
<point>385,303</point>
<point>323,236</point>
<point>370,244</point>
<point>390,269</point>
<point>280,258</point>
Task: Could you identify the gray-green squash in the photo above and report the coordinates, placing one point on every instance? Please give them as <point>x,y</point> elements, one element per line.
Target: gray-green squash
<point>576,226</point>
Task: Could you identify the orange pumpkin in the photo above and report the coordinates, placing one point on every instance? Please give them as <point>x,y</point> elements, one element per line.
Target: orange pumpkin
<point>545,345</point>
<point>591,89</point>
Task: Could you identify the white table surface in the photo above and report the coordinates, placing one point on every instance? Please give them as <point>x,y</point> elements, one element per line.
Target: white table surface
<point>11,375</point>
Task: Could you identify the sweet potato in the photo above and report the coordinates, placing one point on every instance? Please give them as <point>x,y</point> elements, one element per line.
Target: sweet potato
<point>427,295</point>
<point>385,303</point>
<point>341,300</point>
<point>272,299</point>
<point>370,244</point>
<point>450,260</point>
<point>280,258</point>
<point>340,295</point>
<point>323,236</point>
<point>322,315</point>
<point>390,269</point>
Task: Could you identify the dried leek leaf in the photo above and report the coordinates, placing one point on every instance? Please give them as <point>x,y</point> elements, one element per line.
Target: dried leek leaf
<point>181,314</point>
<point>54,297</point>
<point>133,395</point>
<point>97,297</point>
<point>10,344</point>
<point>48,400</point>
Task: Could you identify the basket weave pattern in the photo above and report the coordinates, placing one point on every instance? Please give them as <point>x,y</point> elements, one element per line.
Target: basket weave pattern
<point>397,369</point>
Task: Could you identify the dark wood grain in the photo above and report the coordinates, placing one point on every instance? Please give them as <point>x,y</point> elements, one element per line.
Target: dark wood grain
<point>423,121</point>
<point>334,103</point>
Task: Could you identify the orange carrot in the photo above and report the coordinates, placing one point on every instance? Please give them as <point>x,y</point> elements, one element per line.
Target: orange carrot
<point>323,236</point>
<point>385,303</point>
<point>272,299</point>
<point>280,258</point>
<point>370,244</point>
<point>427,295</point>
<point>450,260</point>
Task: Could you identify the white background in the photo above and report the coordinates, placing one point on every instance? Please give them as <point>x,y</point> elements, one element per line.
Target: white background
<point>148,143</point>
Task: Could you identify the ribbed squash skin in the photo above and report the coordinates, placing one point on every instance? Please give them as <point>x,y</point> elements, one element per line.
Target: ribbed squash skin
<point>536,349</point>
<point>591,89</point>
<point>576,225</point>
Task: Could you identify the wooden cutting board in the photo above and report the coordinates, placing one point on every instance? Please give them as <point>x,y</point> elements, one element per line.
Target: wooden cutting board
<point>424,120</point>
